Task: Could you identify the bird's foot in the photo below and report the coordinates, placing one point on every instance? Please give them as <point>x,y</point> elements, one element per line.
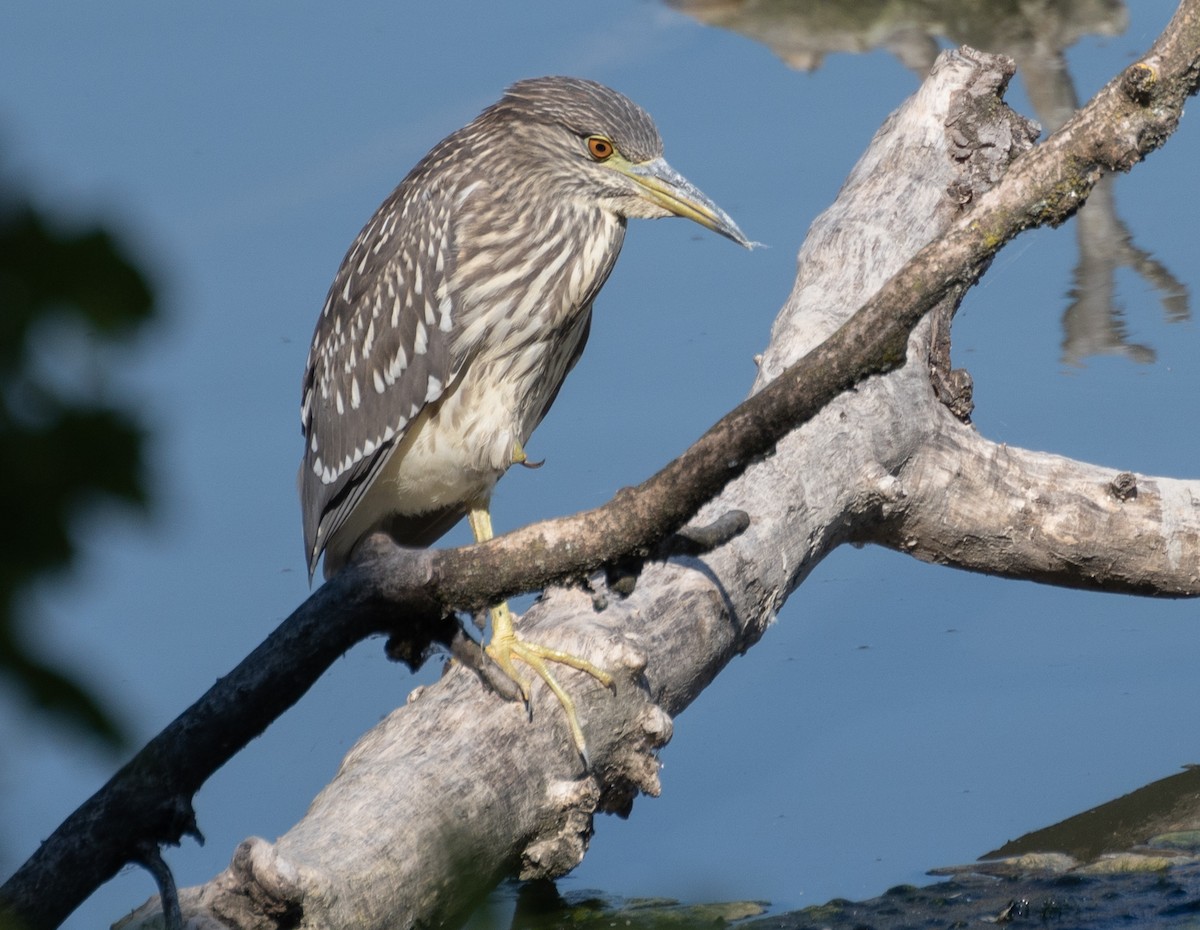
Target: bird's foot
<point>506,647</point>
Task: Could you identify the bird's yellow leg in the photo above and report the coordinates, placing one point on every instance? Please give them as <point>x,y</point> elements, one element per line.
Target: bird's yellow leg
<point>505,647</point>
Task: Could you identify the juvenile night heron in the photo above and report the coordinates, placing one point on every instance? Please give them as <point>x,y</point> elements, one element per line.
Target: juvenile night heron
<point>458,312</point>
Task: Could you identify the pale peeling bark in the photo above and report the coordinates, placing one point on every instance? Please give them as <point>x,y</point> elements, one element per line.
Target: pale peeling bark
<point>458,788</point>
<point>992,508</point>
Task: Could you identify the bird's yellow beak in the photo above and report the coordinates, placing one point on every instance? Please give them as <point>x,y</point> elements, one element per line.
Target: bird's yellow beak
<point>666,187</point>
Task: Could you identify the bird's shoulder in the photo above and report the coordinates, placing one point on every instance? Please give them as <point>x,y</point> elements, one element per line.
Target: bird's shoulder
<point>388,313</point>
<point>382,347</point>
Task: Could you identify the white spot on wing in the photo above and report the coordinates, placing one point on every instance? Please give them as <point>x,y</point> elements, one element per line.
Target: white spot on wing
<point>466,192</point>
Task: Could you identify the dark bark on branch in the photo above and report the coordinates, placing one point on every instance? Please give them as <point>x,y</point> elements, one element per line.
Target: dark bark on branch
<point>528,809</point>
<point>150,799</point>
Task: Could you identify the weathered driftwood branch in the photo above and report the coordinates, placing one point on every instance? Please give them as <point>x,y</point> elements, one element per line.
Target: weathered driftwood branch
<point>988,507</point>
<point>520,802</point>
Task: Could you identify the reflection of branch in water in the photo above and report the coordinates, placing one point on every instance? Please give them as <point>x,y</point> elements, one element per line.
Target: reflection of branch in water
<point>1093,322</point>
<point>1035,34</point>
<point>803,32</point>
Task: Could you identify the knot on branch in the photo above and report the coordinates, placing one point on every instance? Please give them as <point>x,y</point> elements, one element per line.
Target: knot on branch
<point>954,387</point>
<point>1140,80</point>
<point>880,496</point>
<point>638,762</point>
<point>413,646</point>
<point>1123,487</point>
<point>633,766</point>
<point>983,137</point>
<point>562,847</point>
<point>260,884</point>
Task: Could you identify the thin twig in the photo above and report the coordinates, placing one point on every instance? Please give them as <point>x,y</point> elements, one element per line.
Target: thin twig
<point>149,856</point>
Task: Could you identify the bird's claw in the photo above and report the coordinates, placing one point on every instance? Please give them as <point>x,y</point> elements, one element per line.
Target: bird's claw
<point>506,647</point>
<point>520,458</point>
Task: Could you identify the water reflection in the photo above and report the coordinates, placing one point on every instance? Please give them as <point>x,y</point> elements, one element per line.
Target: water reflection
<point>1036,35</point>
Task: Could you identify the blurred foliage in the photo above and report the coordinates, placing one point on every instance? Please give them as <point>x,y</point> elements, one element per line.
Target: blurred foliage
<point>66,299</point>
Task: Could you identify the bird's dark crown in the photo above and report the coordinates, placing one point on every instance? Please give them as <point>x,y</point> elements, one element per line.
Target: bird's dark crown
<point>584,108</point>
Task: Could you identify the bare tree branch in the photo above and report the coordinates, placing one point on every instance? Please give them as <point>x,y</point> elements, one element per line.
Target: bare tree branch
<point>988,507</point>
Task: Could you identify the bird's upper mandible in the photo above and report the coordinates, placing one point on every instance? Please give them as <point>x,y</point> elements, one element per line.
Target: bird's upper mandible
<point>475,276</point>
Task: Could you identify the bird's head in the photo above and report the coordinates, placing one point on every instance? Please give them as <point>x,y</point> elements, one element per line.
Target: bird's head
<point>603,149</point>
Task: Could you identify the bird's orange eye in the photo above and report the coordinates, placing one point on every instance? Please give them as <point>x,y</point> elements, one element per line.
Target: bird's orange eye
<point>599,147</point>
